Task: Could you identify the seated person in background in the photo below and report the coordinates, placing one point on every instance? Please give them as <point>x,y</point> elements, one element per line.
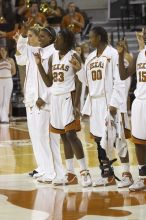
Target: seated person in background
<point>34,14</point>
<point>54,15</point>
<point>23,12</point>
<point>74,21</point>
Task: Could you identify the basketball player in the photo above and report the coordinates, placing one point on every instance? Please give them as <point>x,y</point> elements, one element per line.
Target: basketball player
<point>65,102</point>
<point>7,70</point>
<point>106,90</point>
<point>138,121</point>
<point>37,101</point>
<point>124,111</point>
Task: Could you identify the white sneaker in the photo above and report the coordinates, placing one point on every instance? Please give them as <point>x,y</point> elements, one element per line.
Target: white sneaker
<point>59,182</point>
<point>138,185</point>
<point>126,180</point>
<point>37,175</point>
<point>44,179</point>
<point>104,182</point>
<point>85,178</point>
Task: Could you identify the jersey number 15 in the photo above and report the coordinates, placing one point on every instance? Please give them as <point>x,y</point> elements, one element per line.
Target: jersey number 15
<point>142,76</point>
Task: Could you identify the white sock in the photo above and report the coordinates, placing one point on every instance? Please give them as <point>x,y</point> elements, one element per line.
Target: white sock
<point>70,165</point>
<point>125,167</point>
<point>82,163</point>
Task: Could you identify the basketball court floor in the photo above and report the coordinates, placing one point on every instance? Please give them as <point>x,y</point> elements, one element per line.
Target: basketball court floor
<point>23,198</point>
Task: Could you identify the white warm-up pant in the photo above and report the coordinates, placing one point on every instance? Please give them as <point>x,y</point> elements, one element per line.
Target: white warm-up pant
<point>6,87</point>
<point>46,146</point>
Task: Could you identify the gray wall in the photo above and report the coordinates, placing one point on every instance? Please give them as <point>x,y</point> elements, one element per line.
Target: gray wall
<point>88,4</point>
<point>97,9</point>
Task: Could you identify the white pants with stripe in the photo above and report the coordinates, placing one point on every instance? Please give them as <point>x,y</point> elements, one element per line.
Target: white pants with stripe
<point>6,87</point>
<point>46,146</point>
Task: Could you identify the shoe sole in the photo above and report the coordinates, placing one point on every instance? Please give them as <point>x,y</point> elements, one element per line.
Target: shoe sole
<point>36,177</point>
<point>107,184</point>
<point>58,184</point>
<point>124,186</point>
<point>137,190</point>
<point>47,182</point>
<point>87,186</point>
<point>72,182</point>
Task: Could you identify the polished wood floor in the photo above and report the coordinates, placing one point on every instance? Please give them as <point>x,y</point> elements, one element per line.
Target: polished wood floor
<point>22,198</point>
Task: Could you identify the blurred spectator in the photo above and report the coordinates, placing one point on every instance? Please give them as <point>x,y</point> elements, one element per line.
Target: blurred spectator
<point>7,70</point>
<point>74,21</point>
<point>24,12</point>
<point>9,11</point>
<point>54,15</point>
<point>85,49</point>
<point>79,51</point>
<point>34,14</point>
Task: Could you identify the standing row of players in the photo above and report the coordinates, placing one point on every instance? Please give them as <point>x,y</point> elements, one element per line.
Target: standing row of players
<point>54,78</point>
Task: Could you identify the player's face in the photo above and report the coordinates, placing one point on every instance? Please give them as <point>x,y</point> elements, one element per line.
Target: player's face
<point>33,39</point>
<point>59,43</point>
<point>44,39</point>
<point>94,39</point>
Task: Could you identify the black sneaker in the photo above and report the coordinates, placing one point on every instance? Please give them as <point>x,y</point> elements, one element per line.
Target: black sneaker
<point>32,173</point>
<point>142,170</point>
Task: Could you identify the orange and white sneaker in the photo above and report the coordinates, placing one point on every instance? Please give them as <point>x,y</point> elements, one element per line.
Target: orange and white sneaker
<point>71,179</point>
<point>126,180</point>
<point>138,185</point>
<point>85,178</point>
<point>109,181</point>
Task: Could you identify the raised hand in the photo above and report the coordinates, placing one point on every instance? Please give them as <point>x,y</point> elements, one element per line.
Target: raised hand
<point>121,47</point>
<point>76,62</point>
<point>140,39</point>
<point>27,24</point>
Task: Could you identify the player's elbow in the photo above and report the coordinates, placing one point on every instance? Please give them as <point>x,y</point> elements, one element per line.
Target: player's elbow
<point>123,77</point>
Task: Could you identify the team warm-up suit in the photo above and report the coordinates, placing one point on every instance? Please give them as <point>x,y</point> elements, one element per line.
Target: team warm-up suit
<point>46,145</point>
